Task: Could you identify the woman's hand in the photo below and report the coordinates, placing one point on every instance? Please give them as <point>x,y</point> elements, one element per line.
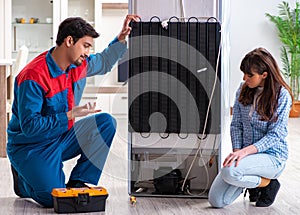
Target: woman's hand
<point>126,29</point>
<point>239,154</point>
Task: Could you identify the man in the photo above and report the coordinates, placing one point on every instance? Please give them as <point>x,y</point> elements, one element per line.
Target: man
<point>42,132</point>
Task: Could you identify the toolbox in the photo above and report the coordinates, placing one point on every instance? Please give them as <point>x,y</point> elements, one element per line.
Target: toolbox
<point>79,200</point>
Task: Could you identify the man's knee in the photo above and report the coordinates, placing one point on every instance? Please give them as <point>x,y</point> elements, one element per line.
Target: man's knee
<point>106,120</point>
<point>106,125</point>
<point>44,198</point>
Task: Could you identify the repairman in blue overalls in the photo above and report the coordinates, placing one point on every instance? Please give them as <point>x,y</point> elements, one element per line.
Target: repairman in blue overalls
<point>42,132</point>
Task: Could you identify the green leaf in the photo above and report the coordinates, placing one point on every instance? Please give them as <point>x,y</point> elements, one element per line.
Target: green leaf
<point>287,23</point>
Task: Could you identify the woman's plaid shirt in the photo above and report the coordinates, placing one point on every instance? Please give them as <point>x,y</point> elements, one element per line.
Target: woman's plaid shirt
<point>267,137</point>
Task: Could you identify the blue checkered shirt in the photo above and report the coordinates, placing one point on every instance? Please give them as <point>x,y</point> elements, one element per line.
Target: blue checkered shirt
<point>267,137</point>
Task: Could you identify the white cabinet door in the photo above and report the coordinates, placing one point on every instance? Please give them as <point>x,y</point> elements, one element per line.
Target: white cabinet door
<point>115,104</point>
<point>121,135</point>
<point>103,102</point>
<point>87,9</point>
<point>119,104</point>
<point>5,29</point>
<point>32,25</point>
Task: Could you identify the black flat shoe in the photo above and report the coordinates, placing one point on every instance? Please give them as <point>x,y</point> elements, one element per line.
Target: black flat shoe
<point>254,194</point>
<point>268,194</point>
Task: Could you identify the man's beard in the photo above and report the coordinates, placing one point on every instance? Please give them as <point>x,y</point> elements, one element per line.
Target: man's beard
<point>78,62</point>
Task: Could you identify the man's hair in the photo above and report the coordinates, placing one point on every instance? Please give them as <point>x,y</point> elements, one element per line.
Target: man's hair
<point>76,27</point>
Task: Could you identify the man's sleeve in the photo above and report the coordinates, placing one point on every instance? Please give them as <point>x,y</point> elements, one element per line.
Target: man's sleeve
<point>101,63</point>
<point>33,123</point>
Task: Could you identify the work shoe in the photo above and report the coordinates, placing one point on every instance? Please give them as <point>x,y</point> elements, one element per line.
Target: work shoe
<point>16,181</point>
<point>75,184</point>
<point>268,194</point>
<point>254,194</point>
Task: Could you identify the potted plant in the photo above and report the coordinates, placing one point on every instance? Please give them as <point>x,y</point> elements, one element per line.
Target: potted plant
<point>288,26</point>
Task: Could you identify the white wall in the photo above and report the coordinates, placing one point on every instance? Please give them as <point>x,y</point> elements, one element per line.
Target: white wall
<point>5,29</point>
<point>111,25</point>
<point>165,9</point>
<point>249,28</point>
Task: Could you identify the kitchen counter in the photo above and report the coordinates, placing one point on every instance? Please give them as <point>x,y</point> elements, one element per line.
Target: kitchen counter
<point>5,66</point>
<point>106,89</point>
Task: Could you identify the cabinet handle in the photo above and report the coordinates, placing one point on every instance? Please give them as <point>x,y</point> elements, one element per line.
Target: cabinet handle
<point>15,38</point>
<point>124,97</point>
<point>89,97</point>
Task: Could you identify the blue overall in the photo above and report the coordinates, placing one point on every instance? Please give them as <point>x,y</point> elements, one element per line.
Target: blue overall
<point>40,136</point>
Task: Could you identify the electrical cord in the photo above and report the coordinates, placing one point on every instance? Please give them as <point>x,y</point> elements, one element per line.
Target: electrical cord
<point>199,140</point>
<point>164,24</point>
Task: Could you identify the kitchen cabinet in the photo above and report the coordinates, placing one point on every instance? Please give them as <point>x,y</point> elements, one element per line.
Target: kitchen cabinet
<point>5,66</point>
<point>106,16</point>
<point>83,8</point>
<point>103,15</point>
<point>114,103</point>
<point>32,25</point>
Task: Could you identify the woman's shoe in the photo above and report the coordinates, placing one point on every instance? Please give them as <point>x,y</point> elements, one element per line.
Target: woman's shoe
<point>268,194</point>
<point>254,194</point>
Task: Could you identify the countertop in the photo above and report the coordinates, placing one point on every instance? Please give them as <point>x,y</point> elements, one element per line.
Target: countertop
<point>106,89</point>
<point>6,62</point>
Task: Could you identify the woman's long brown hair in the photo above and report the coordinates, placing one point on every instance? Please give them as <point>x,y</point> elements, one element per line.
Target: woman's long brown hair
<point>259,61</point>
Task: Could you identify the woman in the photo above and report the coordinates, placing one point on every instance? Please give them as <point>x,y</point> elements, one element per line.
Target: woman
<point>258,131</point>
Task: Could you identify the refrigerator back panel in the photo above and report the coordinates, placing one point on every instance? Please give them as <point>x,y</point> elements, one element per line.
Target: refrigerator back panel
<point>172,71</point>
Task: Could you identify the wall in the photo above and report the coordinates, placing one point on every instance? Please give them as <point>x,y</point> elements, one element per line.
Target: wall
<point>111,25</point>
<point>165,9</point>
<point>250,28</point>
<point>5,29</point>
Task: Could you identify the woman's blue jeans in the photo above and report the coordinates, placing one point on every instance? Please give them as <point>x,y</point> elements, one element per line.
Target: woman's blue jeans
<point>231,181</point>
